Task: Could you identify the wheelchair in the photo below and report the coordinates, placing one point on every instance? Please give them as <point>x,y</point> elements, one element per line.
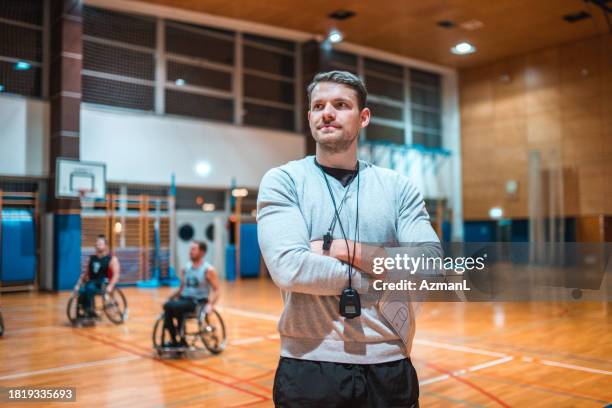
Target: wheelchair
<point>113,305</point>
<point>198,329</point>
<point>1,325</point>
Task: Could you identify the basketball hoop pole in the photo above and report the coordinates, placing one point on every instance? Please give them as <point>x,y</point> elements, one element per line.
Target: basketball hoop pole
<point>172,280</point>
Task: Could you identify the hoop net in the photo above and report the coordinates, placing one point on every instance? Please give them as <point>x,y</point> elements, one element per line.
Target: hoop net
<point>87,199</point>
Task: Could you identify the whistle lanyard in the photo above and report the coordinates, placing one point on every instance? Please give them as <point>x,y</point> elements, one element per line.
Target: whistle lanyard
<point>332,224</point>
<point>337,217</point>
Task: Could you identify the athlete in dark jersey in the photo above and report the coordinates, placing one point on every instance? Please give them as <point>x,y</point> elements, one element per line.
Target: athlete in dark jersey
<point>99,268</point>
<point>103,268</point>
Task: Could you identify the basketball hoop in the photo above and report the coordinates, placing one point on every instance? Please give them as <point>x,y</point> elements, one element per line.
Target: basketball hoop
<point>87,201</point>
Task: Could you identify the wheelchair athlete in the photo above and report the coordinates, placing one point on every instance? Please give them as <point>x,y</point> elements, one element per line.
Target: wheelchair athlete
<point>199,286</point>
<point>103,269</point>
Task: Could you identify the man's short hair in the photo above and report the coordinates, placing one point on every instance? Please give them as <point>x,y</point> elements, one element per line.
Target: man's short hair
<point>344,78</point>
<point>202,245</point>
<point>102,237</point>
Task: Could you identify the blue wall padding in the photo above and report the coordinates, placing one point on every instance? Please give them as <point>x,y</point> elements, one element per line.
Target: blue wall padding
<point>249,251</point>
<point>479,231</point>
<point>520,231</point>
<point>66,250</point>
<point>447,230</point>
<point>18,246</point>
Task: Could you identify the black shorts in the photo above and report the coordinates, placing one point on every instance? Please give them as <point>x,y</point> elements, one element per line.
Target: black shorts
<point>306,383</point>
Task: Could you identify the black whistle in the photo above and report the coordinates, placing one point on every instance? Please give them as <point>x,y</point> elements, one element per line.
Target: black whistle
<point>327,241</point>
<point>350,305</point>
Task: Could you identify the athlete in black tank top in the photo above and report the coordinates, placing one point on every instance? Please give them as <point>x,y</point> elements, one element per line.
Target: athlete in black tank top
<point>99,267</point>
<point>102,273</point>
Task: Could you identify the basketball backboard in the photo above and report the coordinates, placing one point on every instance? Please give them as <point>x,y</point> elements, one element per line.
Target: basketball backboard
<point>75,178</point>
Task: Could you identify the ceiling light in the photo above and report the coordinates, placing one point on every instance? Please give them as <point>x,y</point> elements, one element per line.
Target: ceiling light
<point>574,17</point>
<point>208,207</point>
<point>341,14</point>
<point>496,213</point>
<point>240,192</point>
<point>203,169</point>
<point>22,66</point>
<point>471,25</point>
<point>446,24</point>
<point>335,36</point>
<point>463,48</point>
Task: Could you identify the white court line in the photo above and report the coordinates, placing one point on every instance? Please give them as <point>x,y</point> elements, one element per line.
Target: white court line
<point>263,316</point>
<point>70,367</point>
<point>447,346</point>
<point>250,340</point>
<point>22,319</point>
<point>458,348</point>
<point>464,371</point>
<point>434,379</point>
<point>575,367</point>
<point>31,329</point>
<point>490,363</point>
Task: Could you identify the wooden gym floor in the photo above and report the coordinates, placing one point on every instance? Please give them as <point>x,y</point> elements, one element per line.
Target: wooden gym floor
<point>473,355</point>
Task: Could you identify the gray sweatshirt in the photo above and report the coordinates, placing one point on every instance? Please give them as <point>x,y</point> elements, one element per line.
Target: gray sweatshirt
<point>294,208</point>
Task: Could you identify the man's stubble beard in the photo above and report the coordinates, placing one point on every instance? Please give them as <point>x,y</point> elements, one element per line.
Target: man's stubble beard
<point>336,146</point>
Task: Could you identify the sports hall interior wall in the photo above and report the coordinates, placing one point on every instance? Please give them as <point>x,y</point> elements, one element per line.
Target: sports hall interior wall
<point>557,101</point>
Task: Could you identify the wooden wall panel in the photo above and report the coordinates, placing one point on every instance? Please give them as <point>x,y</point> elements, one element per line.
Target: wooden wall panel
<point>557,101</point>
<point>590,228</point>
<point>91,228</point>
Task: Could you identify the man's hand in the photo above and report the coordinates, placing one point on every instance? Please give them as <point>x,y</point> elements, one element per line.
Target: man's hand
<point>317,247</point>
<point>77,287</point>
<point>364,254</point>
<point>337,250</point>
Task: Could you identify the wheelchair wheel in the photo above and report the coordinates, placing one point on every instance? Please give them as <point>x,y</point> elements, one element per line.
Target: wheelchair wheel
<point>1,325</point>
<point>158,335</point>
<point>115,306</point>
<point>212,331</point>
<point>72,310</point>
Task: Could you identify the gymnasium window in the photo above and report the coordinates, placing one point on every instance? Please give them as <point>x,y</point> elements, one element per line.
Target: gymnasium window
<point>199,105</point>
<point>386,99</point>
<point>188,198</point>
<point>268,75</point>
<point>425,104</point>
<point>199,71</point>
<point>21,48</point>
<point>340,61</point>
<point>199,76</point>
<point>381,133</point>
<point>118,59</point>
<point>216,74</point>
